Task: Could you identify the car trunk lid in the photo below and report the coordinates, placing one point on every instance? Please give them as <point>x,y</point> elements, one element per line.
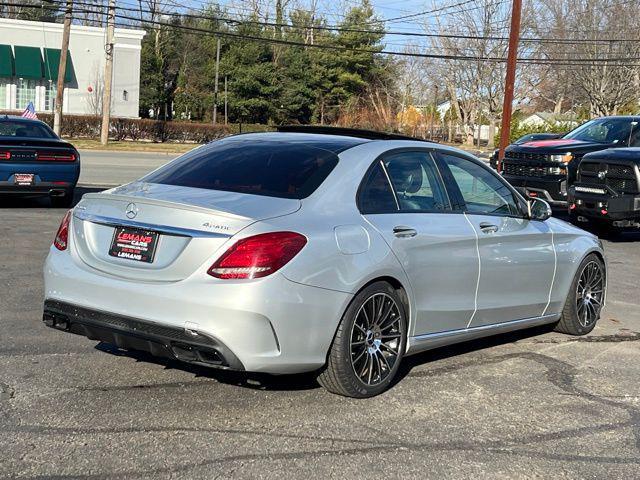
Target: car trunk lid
<point>188,226</point>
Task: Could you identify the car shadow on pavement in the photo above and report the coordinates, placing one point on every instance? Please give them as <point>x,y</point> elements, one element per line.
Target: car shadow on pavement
<point>463,348</point>
<point>307,381</point>
<point>257,381</point>
<point>624,236</point>
<point>10,201</point>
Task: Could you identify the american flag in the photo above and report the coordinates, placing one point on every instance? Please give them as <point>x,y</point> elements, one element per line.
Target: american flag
<point>30,112</point>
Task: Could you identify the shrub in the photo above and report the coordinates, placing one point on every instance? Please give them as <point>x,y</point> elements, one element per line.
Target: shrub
<point>142,129</point>
<point>518,130</point>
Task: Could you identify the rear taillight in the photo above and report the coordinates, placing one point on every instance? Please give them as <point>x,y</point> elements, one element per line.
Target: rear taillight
<point>5,155</point>
<point>56,156</point>
<point>62,237</point>
<point>258,256</point>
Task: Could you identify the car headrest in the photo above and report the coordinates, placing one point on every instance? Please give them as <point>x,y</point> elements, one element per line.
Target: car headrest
<point>406,175</point>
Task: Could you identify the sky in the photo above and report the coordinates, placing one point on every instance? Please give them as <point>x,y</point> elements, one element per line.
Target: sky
<point>334,10</point>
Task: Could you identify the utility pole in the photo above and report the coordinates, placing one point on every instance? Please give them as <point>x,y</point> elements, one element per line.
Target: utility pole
<point>215,88</point>
<point>226,93</point>
<point>62,68</point>
<point>433,111</point>
<point>510,80</point>
<point>108,73</point>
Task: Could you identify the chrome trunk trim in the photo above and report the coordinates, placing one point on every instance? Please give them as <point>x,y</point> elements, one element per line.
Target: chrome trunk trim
<point>165,229</point>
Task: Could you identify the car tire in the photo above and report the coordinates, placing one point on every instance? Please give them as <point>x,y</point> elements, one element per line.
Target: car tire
<point>368,345</point>
<point>63,202</point>
<point>584,302</point>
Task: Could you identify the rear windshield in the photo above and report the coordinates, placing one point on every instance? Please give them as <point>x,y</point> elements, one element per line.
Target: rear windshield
<point>24,129</point>
<point>269,168</point>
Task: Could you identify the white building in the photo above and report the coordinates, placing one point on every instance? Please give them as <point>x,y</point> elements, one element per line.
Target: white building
<point>29,59</point>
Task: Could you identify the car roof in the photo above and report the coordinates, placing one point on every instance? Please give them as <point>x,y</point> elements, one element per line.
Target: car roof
<point>332,139</point>
<point>619,117</point>
<point>348,132</point>
<point>332,143</point>
<point>16,119</point>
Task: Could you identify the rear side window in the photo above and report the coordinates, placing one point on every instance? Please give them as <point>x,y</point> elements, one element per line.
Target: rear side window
<point>268,168</point>
<point>376,195</point>
<point>406,181</point>
<point>416,182</point>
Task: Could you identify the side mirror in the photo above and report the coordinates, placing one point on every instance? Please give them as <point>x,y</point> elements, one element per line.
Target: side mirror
<point>539,209</point>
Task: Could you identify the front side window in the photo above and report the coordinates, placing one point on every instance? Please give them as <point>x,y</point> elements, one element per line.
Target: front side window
<point>483,193</point>
<point>25,93</point>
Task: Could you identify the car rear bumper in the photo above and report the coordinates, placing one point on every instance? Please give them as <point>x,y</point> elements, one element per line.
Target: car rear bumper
<point>134,334</point>
<point>553,189</point>
<point>270,325</point>
<point>58,178</point>
<point>41,188</point>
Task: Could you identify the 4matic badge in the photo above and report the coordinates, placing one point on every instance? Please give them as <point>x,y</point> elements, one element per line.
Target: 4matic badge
<point>215,226</point>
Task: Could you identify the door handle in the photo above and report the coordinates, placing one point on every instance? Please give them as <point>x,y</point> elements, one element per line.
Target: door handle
<point>487,227</point>
<point>404,232</point>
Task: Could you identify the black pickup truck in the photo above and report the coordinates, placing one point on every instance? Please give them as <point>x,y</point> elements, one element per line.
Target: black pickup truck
<point>607,189</point>
<point>547,168</point>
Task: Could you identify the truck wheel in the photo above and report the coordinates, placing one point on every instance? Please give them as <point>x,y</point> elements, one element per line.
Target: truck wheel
<point>369,344</point>
<point>586,296</point>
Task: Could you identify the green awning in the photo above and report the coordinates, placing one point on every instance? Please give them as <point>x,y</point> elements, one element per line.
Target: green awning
<point>52,63</point>
<point>28,62</point>
<point>6,61</point>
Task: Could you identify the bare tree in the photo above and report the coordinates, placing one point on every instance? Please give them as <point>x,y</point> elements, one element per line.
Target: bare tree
<point>475,85</point>
<point>90,13</point>
<point>95,92</point>
<point>598,40</point>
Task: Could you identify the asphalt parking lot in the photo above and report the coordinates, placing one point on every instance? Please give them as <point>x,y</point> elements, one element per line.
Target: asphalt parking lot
<point>526,405</point>
<point>103,168</point>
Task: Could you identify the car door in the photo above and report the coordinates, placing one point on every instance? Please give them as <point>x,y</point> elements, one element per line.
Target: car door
<point>404,198</point>
<point>517,258</point>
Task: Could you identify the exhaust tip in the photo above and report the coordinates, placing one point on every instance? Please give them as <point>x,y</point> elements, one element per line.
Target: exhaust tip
<point>48,319</point>
<point>53,320</point>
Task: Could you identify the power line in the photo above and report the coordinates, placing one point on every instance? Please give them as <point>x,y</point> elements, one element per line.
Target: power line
<point>532,61</point>
<point>525,60</point>
<point>203,15</point>
<point>429,12</point>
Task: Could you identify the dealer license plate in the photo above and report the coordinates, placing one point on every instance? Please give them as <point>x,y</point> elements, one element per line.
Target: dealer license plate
<point>134,244</point>
<point>23,179</point>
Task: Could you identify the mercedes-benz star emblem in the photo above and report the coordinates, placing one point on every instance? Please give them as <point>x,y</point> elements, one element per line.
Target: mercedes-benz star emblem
<point>131,211</point>
<point>602,174</point>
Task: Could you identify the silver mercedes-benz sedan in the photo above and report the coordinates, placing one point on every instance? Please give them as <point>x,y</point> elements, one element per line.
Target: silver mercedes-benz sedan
<point>336,252</point>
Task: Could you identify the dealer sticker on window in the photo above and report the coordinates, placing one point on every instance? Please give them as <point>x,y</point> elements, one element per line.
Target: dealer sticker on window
<point>134,244</point>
